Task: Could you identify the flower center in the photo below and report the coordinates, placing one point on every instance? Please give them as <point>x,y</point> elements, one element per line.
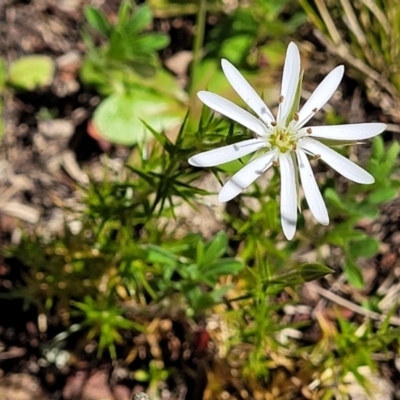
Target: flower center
<point>283,139</point>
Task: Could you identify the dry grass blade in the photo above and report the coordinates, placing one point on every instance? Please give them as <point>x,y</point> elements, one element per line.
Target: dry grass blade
<point>329,23</point>
<point>379,15</point>
<point>352,306</point>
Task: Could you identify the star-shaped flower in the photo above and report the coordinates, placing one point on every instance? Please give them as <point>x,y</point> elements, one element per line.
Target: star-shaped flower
<point>285,141</point>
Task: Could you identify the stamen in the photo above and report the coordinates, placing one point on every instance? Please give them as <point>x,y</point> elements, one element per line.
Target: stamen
<point>294,146</point>
<point>281,136</point>
<point>317,156</point>
<point>296,116</point>
<point>273,123</point>
<point>281,99</point>
<point>309,131</point>
<point>275,163</point>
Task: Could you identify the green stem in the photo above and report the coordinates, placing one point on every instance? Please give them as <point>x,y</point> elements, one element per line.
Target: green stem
<point>198,44</point>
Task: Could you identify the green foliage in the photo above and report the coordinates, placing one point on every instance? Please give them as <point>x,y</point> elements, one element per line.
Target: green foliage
<point>118,117</point>
<point>135,260</point>
<point>247,29</point>
<point>127,44</point>
<point>31,72</point>
<point>356,243</point>
<point>125,66</point>
<point>104,320</point>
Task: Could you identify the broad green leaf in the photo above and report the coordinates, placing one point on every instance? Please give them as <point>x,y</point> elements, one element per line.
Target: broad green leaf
<point>382,195</point>
<point>31,72</point>
<point>98,20</point>
<point>366,247</point>
<point>236,48</point>
<point>118,117</point>
<point>342,233</point>
<point>353,273</point>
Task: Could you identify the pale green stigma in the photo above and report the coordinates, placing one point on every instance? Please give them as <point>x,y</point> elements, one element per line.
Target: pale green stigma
<point>283,139</point>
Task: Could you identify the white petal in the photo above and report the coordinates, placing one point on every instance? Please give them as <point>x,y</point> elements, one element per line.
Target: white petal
<point>339,163</point>
<point>288,195</point>
<point>290,79</point>
<point>246,92</point>
<point>345,132</point>
<point>246,176</point>
<point>320,96</point>
<point>311,190</point>
<point>232,111</point>
<point>227,153</point>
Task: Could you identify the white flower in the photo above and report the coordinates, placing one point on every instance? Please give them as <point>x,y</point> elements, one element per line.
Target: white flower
<point>285,141</point>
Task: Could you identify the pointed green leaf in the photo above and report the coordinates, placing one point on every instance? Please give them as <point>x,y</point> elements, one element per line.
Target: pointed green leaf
<point>98,20</point>
<point>215,249</point>
<point>312,271</point>
<point>139,21</point>
<point>353,273</point>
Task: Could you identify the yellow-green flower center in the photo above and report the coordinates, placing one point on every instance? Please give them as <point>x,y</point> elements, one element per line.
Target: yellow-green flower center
<point>283,139</point>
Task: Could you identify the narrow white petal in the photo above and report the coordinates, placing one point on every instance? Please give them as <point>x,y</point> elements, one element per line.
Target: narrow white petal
<point>339,163</point>
<point>345,132</point>
<point>311,190</point>
<point>246,176</point>
<point>246,92</point>
<point>227,153</point>
<point>232,111</point>
<point>288,195</point>
<point>290,78</point>
<point>320,96</point>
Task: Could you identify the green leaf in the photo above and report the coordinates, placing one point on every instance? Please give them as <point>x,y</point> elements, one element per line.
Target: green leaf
<point>3,75</point>
<point>226,266</point>
<point>332,196</point>
<point>366,247</point>
<point>342,233</point>
<point>31,72</point>
<point>378,148</point>
<point>124,13</point>
<point>150,42</point>
<point>353,273</point>
<point>392,155</point>
<point>98,20</point>
<point>382,195</point>
<point>312,271</point>
<point>118,117</point>
<point>236,48</point>
<point>215,249</point>
<point>161,256</point>
<point>139,21</point>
